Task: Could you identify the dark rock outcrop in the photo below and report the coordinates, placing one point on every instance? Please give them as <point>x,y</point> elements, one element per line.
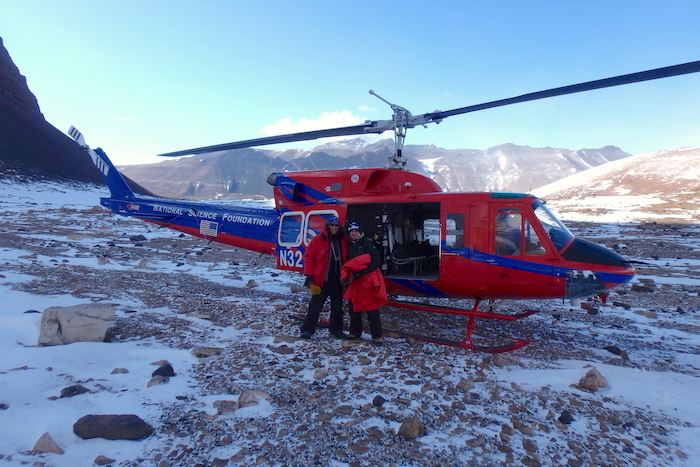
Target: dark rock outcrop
<point>30,147</point>
<point>112,427</point>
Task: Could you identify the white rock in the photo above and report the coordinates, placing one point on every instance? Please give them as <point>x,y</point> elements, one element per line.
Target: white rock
<point>592,381</point>
<point>46,444</point>
<point>157,379</point>
<point>252,397</point>
<point>78,323</point>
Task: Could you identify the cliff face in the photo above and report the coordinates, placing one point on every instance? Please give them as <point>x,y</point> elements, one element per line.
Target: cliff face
<point>29,145</point>
<point>14,92</point>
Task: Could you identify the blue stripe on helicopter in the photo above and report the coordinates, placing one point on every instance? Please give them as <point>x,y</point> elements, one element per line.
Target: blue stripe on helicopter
<point>255,224</point>
<point>421,287</point>
<point>526,266</point>
<point>614,278</point>
<point>288,186</point>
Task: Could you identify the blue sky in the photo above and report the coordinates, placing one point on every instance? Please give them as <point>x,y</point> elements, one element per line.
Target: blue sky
<point>142,77</point>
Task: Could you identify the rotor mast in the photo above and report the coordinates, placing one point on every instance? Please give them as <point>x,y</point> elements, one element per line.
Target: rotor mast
<point>401,121</point>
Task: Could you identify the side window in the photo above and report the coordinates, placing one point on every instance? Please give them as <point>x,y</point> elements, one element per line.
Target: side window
<point>431,231</point>
<point>508,232</point>
<point>454,234</point>
<point>533,245</point>
<point>315,223</point>
<point>290,229</point>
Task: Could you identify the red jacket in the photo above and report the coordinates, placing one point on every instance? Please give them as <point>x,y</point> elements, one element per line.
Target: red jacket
<point>369,291</point>
<point>316,257</point>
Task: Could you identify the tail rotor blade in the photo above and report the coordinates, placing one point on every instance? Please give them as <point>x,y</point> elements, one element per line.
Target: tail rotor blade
<point>76,135</point>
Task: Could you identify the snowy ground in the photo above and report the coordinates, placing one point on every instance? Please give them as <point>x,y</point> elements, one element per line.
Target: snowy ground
<point>174,294</point>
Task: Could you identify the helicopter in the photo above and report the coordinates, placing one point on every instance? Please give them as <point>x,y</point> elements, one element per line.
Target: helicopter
<point>481,246</point>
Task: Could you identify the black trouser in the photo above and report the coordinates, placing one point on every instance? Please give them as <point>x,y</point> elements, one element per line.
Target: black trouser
<point>315,306</point>
<point>375,323</point>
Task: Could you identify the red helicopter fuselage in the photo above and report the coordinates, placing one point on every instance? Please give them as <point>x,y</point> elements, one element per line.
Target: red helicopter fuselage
<point>436,244</point>
<point>432,244</point>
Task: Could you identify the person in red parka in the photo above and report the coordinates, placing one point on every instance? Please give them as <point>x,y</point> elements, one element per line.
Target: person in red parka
<point>323,259</point>
<point>366,290</point>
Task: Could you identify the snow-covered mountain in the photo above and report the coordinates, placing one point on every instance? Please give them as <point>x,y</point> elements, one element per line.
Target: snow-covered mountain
<point>242,172</point>
<point>661,184</point>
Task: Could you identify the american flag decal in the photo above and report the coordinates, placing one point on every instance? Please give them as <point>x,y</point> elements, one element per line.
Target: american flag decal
<point>209,228</point>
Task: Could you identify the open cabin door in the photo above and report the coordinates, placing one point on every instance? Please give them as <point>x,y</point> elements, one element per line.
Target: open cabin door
<point>407,235</point>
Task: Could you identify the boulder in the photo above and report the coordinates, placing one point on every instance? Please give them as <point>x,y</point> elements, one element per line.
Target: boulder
<point>79,323</point>
<point>592,381</point>
<point>465,385</point>
<point>378,401</point>
<point>164,370</point>
<point>157,379</point>
<point>46,444</point>
<point>225,406</point>
<point>112,427</point>
<point>74,390</point>
<point>102,460</point>
<point>203,352</point>
<point>411,428</point>
<point>252,397</point>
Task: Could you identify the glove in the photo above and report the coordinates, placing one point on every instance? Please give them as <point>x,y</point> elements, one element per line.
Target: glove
<point>308,282</point>
<point>314,289</point>
<point>345,281</point>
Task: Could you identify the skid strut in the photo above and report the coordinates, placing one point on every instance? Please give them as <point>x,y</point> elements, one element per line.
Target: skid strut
<point>467,342</point>
<point>473,314</point>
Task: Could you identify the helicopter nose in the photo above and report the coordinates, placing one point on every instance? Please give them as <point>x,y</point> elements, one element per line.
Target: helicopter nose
<point>600,269</point>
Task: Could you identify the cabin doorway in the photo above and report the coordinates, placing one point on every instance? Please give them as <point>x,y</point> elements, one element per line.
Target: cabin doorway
<point>407,236</point>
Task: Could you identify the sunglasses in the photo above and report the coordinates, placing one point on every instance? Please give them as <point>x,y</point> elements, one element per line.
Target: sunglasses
<point>334,225</point>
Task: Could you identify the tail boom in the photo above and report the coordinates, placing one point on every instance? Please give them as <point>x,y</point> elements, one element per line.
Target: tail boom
<point>251,229</point>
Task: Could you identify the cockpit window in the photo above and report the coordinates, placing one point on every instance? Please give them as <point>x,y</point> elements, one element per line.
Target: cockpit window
<point>508,232</point>
<point>559,234</point>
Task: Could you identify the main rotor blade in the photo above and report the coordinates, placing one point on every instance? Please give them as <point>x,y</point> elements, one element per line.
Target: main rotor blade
<point>304,136</point>
<point>380,126</point>
<point>658,73</point>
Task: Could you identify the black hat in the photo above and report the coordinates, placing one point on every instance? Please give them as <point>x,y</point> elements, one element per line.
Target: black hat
<point>354,225</point>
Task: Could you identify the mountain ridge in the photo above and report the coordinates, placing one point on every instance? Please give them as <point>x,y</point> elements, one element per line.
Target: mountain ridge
<point>241,173</point>
<point>30,147</point>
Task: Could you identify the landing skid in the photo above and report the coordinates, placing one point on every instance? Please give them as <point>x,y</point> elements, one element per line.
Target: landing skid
<point>474,313</point>
<point>467,342</point>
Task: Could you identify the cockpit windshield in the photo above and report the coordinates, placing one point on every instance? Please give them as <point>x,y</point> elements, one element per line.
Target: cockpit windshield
<point>559,234</point>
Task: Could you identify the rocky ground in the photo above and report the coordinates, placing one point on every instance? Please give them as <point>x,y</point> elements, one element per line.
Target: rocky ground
<point>332,402</point>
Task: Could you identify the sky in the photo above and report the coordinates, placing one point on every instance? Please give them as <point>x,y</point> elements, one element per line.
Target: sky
<point>140,78</point>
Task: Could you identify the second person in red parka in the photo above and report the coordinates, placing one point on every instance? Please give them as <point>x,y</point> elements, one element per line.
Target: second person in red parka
<point>366,290</point>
